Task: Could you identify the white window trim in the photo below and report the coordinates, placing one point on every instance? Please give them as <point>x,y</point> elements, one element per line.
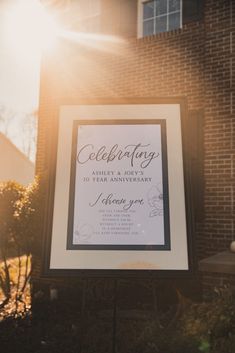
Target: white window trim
<point>140,17</point>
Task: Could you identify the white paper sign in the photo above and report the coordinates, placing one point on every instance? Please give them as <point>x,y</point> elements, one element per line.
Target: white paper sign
<point>119,187</point>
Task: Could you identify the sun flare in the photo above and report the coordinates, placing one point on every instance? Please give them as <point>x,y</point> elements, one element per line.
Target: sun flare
<point>29,29</point>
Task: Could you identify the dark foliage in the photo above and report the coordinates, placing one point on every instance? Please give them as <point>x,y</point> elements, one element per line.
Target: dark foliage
<point>61,327</point>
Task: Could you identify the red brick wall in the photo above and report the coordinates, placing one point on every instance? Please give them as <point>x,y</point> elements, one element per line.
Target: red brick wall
<point>196,62</point>
<point>213,282</point>
<point>219,140</point>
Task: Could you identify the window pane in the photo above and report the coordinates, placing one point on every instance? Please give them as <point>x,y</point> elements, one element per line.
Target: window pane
<point>174,21</point>
<point>174,5</point>
<point>161,24</point>
<point>148,9</point>
<point>148,28</point>
<point>161,7</point>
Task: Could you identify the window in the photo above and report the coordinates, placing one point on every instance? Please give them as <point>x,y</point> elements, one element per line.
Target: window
<point>161,16</point>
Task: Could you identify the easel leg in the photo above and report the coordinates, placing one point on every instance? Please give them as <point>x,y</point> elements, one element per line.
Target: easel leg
<point>115,316</point>
<point>83,313</point>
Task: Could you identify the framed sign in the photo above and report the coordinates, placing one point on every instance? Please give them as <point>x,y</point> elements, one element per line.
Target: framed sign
<point>119,177</point>
<point>119,204</point>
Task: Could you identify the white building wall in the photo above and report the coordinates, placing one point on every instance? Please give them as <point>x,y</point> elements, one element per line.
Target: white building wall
<point>14,165</point>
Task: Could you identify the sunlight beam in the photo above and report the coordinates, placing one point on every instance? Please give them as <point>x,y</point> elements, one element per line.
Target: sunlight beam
<point>28,29</point>
<point>101,42</point>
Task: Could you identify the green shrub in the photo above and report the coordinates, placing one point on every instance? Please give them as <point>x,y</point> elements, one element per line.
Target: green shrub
<point>212,323</point>
<point>10,194</point>
<point>154,339</point>
<point>20,234</point>
<point>206,327</point>
<point>29,218</point>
